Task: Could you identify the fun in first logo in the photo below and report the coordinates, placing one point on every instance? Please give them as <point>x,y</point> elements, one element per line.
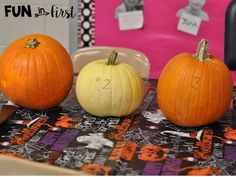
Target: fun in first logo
<point>26,11</point>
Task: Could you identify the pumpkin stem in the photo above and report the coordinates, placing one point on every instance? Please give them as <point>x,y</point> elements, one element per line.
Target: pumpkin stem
<point>202,51</point>
<point>112,58</point>
<point>32,44</point>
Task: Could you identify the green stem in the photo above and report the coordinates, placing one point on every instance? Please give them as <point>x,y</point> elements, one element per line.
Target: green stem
<point>32,44</point>
<point>112,58</point>
<point>202,51</point>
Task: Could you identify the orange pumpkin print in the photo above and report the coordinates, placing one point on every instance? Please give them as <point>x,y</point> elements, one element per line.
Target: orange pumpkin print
<point>230,133</point>
<point>96,169</point>
<point>193,171</point>
<point>153,153</point>
<point>64,122</point>
<point>205,171</point>
<point>67,122</point>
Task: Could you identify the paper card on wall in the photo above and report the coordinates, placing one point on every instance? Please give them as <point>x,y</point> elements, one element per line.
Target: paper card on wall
<point>131,20</point>
<point>189,24</point>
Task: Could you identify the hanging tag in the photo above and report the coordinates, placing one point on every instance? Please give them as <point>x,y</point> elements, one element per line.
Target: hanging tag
<point>189,24</point>
<point>131,20</point>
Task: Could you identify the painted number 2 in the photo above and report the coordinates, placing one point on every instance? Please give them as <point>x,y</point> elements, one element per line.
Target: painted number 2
<point>196,82</point>
<point>106,84</point>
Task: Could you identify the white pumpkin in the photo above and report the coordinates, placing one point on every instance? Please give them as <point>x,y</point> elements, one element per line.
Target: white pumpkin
<point>109,88</point>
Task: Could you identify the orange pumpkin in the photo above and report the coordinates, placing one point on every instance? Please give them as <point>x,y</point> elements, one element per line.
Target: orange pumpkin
<point>36,72</point>
<point>194,90</point>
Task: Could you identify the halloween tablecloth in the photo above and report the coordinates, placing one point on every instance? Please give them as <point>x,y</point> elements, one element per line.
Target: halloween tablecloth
<point>144,143</point>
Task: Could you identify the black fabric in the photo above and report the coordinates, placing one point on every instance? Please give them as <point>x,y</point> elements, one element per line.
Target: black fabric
<point>144,143</point>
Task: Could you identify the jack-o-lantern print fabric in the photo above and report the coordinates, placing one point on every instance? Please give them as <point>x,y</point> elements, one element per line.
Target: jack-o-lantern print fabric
<point>144,143</point>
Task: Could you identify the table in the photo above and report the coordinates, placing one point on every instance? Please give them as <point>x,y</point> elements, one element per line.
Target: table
<point>144,143</point>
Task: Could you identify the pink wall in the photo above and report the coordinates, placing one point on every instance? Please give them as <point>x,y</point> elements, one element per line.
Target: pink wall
<point>159,39</point>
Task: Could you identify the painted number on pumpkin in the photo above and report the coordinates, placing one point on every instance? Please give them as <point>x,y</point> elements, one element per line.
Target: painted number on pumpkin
<point>106,84</point>
<point>196,82</point>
